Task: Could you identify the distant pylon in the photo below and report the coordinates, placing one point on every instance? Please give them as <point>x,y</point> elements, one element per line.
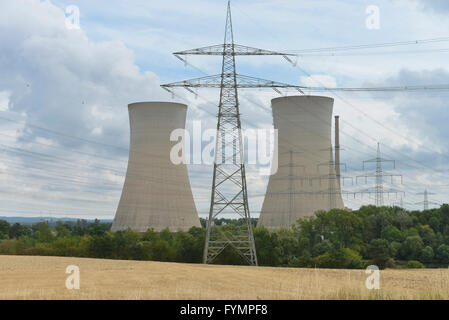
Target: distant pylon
<point>426,201</point>
<point>379,175</point>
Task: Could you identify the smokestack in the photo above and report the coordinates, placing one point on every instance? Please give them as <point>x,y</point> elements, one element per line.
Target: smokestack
<point>337,149</point>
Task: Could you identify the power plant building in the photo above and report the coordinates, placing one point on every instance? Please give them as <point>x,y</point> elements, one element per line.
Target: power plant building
<point>306,180</point>
<point>156,193</point>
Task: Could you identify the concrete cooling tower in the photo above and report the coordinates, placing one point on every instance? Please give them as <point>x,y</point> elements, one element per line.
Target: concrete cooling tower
<point>156,194</point>
<point>306,180</point>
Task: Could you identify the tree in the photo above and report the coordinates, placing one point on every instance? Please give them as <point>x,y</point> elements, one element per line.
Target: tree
<point>166,235</point>
<point>61,230</point>
<point>427,234</point>
<point>161,251</point>
<point>348,228</point>
<point>411,248</point>
<point>101,246</point>
<point>185,248</point>
<point>4,229</point>
<point>379,251</point>
<point>391,233</point>
<point>442,254</point>
<point>17,231</point>
<point>427,255</point>
<point>42,232</point>
<point>351,259</point>
<point>267,247</point>
<point>127,245</point>
<point>322,247</point>
<point>288,244</point>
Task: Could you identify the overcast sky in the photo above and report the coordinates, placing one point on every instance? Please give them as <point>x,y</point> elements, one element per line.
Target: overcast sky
<point>64,128</point>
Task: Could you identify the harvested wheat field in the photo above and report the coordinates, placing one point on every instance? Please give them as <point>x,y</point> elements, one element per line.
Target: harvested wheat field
<point>23,277</point>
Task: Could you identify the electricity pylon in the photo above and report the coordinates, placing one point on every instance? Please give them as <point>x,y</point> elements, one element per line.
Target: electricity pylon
<point>426,201</point>
<point>379,189</point>
<point>229,189</point>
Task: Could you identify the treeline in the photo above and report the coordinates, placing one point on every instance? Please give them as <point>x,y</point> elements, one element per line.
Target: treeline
<point>386,237</point>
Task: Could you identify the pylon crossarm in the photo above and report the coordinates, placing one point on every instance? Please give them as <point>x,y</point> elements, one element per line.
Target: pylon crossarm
<point>242,81</point>
<point>378,160</point>
<point>390,191</point>
<point>238,50</point>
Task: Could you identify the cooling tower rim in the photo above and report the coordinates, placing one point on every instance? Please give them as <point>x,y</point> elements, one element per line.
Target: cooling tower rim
<point>302,97</point>
<point>156,103</point>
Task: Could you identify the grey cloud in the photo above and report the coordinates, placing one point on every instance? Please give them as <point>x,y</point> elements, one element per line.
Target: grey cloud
<point>439,6</point>
<point>425,112</point>
<point>63,81</point>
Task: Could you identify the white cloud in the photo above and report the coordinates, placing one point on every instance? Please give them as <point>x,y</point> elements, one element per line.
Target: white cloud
<point>319,80</point>
<point>59,77</point>
<point>63,81</point>
<point>4,100</point>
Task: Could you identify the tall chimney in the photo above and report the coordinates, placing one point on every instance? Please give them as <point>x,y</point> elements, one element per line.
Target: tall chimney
<point>337,149</point>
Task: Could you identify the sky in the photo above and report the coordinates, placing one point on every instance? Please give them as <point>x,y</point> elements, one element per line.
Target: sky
<point>64,91</point>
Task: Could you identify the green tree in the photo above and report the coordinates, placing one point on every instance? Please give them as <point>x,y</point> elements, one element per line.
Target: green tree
<point>379,251</point>
<point>411,248</point>
<point>391,233</point>
<point>166,235</point>
<point>185,248</point>
<point>61,230</point>
<point>427,255</point>
<point>42,232</point>
<point>442,254</point>
<point>161,251</point>
<point>101,246</point>
<point>267,247</point>
<point>17,231</point>
<point>427,234</point>
<point>4,229</point>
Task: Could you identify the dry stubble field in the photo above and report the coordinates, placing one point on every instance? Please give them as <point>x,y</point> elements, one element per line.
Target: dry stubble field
<point>23,277</point>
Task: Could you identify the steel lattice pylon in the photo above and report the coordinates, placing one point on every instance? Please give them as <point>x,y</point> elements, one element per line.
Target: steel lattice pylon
<point>426,201</point>
<point>229,190</point>
<point>379,189</point>
<point>229,180</point>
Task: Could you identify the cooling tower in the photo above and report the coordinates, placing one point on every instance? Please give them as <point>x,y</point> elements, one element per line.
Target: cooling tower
<point>156,193</point>
<point>305,181</point>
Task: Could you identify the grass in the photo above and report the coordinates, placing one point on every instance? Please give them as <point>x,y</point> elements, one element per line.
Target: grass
<point>23,277</point>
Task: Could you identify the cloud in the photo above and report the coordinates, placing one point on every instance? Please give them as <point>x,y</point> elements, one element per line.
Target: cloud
<point>56,78</point>
<point>438,6</point>
<point>319,80</point>
<point>4,100</point>
<point>59,78</point>
<point>425,113</point>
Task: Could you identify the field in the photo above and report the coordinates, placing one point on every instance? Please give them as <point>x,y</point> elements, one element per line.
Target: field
<point>23,277</point>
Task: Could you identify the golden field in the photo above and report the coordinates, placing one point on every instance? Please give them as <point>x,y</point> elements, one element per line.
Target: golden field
<point>23,277</point>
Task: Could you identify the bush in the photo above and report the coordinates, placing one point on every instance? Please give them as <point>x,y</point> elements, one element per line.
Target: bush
<point>325,261</point>
<point>390,263</point>
<point>12,246</point>
<point>342,258</point>
<point>39,251</point>
<point>351,259</point>
<point>413,264</point>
